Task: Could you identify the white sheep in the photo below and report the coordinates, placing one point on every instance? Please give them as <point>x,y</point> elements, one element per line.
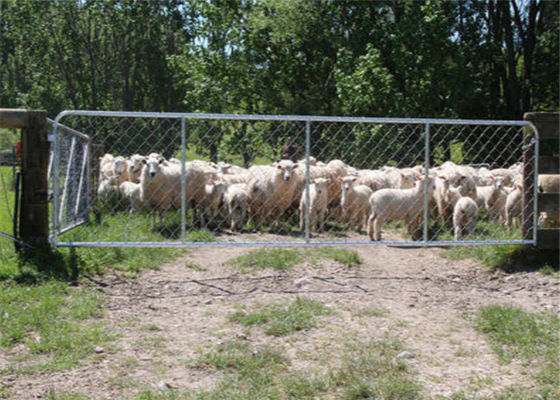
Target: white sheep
<point>271,190</point>
<point>160,186</point>
<point>398,204</point>
<point>354,201</point>
<point>465,212</point>
<point>135,164</point>
<point>236,199</point>
<point>210,206</point>
<point>131,192</point>
<point>464,217</point>
<point>318,202</point>
<point>493,199</point>
<point>108,192</point>
<point>513,205</point>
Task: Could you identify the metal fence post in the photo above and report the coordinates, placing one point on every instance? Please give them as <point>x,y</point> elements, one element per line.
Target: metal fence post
<point>426,179</point>
<point>307,172</point>
<point>183,179</point>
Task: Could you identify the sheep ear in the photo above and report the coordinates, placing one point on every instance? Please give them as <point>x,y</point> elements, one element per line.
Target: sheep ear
<point>354,179</point>
<point>492,178</point>
<point>295,166</point>
<point>519,187</point>
<point>339,179</point>
<point>312,181</point>
<point>211,182</point>
<point>417,178</point>
<point>442,177</point>
<point>439,168</point>
<point>144,161</point>
<point>161,160</point>
<point>279,166</point>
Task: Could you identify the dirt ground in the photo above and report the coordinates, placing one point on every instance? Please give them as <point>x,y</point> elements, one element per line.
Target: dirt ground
<point>168,316</point>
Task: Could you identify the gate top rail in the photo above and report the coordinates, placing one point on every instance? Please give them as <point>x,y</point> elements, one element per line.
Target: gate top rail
<point>258,117</point>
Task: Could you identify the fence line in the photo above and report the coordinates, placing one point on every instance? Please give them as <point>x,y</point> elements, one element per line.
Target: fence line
<point>128,131</point>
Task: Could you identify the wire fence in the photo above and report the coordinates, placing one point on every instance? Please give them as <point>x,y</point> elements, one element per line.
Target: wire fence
<point>143,179</point>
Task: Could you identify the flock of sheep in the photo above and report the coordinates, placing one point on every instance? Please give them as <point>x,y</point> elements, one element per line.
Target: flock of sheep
<point>361,198</point>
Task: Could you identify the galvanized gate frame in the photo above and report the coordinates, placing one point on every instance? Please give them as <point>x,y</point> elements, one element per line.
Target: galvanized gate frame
<point>183,117</point>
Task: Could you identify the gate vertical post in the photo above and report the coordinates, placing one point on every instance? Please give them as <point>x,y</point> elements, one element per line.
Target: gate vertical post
<point>530,179</point>
<point>183,179</point>
<point>426,179</point>
<point>34,211</point>
<point>307,155</point>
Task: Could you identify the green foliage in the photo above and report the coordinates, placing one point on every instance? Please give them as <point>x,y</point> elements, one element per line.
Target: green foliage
<point>517,334</point>
<point>282,319</point>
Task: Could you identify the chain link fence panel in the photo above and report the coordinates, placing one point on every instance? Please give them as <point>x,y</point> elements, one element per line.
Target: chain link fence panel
<point>186,179</point>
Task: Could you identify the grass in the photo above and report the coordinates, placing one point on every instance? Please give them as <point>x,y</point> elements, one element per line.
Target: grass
<point>506,257</point>
<point>283,319</point>
<point>529,337</point>
<point>285,259</point>
<point>50,320</point>
<point>366,370</point>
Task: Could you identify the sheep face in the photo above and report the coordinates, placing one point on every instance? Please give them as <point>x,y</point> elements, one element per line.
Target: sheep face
<point>152,166</point>
<point>320,184</point>
<point>135,163</point>
<point>347,181</point>
<point>120,165</point>
<point>285,168</point>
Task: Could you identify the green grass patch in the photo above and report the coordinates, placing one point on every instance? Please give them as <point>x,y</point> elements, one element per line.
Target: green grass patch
<point>369,371</point>
<point>366,370</point>
<point>350,258</point>
<point>282,319</point>
<point>532,338</point>
<point>51,320</point>
<point>285,259</point>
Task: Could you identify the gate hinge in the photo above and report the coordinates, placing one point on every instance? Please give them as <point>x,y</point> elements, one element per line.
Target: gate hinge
<point>532,142</point>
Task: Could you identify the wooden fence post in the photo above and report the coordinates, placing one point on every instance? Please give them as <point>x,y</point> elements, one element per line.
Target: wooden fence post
<point>548,126</point>
<point>34,211</point>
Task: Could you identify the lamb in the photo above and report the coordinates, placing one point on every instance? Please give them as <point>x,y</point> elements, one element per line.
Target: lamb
<point>513,205</point>
<point>493,198</point>
<point>236,199</point>
<point>160,186</point>
<point>108,192</point>
<point>114,168</point>
<point>465,212</point>
<point>131,192</point>
<point>510,176</point>
<point>271,190</point>
<point>135,164</point>
<point>318,202</point>
<point>211,204</point>
<point>466,186</point>
<point>398,204</point>
<point>354,201</point>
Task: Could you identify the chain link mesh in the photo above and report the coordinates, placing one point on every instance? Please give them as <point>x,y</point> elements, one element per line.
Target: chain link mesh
<point>244,180</point>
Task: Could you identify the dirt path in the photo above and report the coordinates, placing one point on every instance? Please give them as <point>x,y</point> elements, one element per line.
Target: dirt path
<point>166,317</point>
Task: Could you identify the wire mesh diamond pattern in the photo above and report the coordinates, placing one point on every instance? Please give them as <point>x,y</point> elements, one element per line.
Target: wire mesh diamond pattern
<point>183,179</point>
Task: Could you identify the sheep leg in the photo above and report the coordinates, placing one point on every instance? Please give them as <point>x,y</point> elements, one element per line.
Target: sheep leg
<point>377,224</point>
<point>370,225</point>
<point>154,219</point>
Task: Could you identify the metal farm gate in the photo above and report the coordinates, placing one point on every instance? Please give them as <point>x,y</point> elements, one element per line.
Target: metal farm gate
<point>170,179</point>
